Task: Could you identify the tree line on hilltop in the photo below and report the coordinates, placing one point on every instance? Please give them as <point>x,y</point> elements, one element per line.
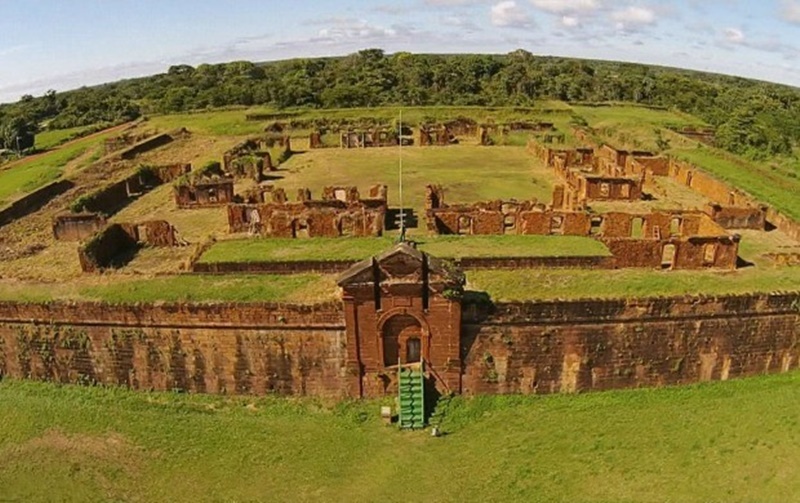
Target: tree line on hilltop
<point>753,118</point>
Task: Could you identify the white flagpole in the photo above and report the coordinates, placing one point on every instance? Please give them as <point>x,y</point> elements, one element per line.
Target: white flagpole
<point>400,151</point>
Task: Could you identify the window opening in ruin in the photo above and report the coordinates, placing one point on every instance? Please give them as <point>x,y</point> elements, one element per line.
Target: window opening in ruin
<point>192,196</point>
<point>668,256</point>
<point>509,224</point>
<point>605,189</point>
<point>688,178</point>
<point>340,195</point>
<point>709,254</point>
<point>557,225</point>
<point>413,350</point>
<point>464,225</point>
<point>625,191</point>
<point>596,224</point>
<point>637,228</point>
<point>212,195</point>
<point>731,199</point>
<point>141,232</point>
<point>675,227</point>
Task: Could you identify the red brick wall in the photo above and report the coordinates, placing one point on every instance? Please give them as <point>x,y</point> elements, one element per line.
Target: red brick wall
<point>225,348</point>
<point>597,345</point>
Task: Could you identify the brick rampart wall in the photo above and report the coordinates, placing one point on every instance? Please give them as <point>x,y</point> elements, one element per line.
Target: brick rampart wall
<point>533,347</point>
<point>557,346</point>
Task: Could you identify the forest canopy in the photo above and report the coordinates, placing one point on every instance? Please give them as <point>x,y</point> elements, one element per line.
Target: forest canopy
<point>752,118</point>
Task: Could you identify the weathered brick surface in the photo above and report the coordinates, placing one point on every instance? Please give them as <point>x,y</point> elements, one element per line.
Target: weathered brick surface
<point>33,201</point>
<point>596,345</point>
<point>227,348</point>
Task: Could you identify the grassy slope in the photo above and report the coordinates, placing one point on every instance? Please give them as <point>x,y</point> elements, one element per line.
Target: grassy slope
<point>52,138</point>
<point>713,442</point>
<point>29,175</point>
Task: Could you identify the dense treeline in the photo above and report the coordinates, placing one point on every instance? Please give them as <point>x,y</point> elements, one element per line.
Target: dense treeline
<point>753,118</point>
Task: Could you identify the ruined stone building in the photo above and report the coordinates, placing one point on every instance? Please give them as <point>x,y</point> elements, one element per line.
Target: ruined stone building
<point>373,137</point>
<point>204,191</point>
<point>252,158</point>
<point>438,135</point>
<point>340,212</point>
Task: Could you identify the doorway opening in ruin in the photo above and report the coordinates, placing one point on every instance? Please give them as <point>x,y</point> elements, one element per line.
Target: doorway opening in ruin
<point>509,224</point>
<point>675,226</point>
<point>402,340</point>
<point>668,256</point>
<point>709,254</point>
<point>688,178</point>
<point>596,225</point>
<point>141,233</point>
<point>637,228</point>
<point>605,190</point>
<point>346,226</point>
<point>192,196</point>
<point>413,350</point>
<point>464,225</point>
<point>300,229</point>
<point>557,225</point>
<point>340,195</point>
<point>625,191</point>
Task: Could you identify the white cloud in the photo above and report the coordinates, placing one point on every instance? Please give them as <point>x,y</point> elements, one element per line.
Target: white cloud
<point>566,6</point>
<point>734,36</point>
<point>791,11</point>
<point>634,15</point>
<point>570,21</point>
<point>508,14</point>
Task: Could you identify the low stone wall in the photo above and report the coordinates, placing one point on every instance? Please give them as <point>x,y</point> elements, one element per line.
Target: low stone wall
<point>146,145</point>
<point>277,267</point>
<point>34,201</point>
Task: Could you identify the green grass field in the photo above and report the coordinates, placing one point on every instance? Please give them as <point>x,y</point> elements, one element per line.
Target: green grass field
<point>29,175</point>
<point>298,288</point>
<point>540,284</point>
<point>764,181</point>
<point>468,173</point>
<point>278,249</point>
<point>716,442</point>
<point>52,138</point>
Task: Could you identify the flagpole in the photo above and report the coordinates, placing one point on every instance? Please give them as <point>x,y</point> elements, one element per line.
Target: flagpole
<point>400,152</point>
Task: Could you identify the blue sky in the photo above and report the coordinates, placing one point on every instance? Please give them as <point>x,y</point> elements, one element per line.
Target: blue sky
<point>63,44</point>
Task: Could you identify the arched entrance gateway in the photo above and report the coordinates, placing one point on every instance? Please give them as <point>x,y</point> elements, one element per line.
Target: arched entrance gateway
<point>402,307</point>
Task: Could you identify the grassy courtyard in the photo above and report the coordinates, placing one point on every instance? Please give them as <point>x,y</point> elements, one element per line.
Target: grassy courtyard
<point>287,249</point>
<point>725,442</point>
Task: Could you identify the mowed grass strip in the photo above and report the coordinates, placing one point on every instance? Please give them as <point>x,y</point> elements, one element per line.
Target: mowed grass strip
<point>722,441</point>
<point>292,250</point>
<point>540,284</point>
<point>303,288</point>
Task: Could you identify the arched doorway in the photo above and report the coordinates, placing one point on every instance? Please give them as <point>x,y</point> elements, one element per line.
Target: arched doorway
<point>402,340</point>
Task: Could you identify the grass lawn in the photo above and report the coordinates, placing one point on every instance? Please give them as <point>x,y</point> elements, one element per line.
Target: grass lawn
<point>275,249</point>
<point>722,441</point>
<point>53,138</point>
<point>29,175</point>
<point>117,288</point>
<point>533,284</point>
<point>468,173</point>
<point>776,187</point>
